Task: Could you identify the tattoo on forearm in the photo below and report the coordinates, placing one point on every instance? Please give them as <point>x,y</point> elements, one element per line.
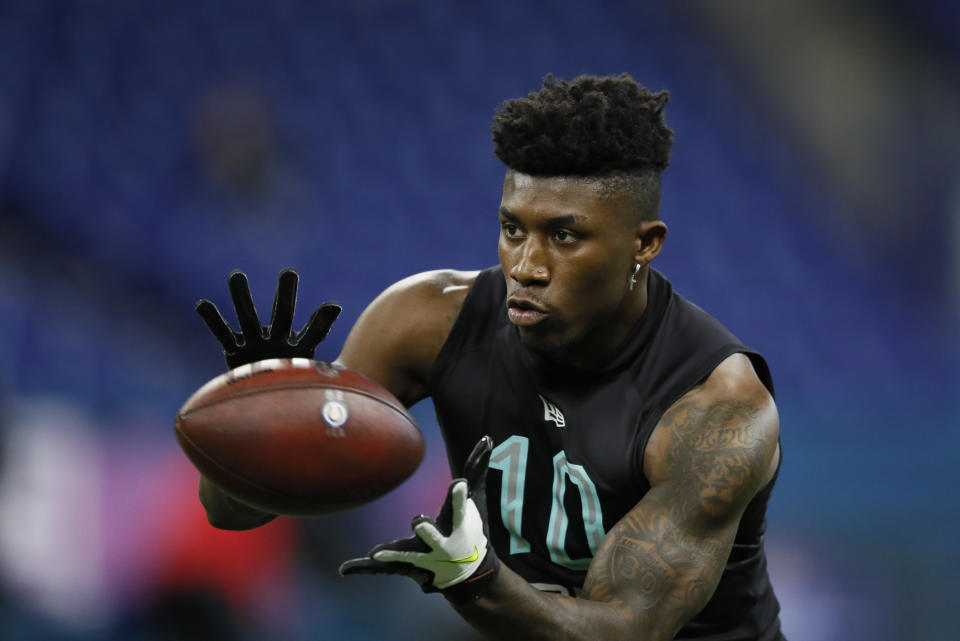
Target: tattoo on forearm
<point>640,562</point>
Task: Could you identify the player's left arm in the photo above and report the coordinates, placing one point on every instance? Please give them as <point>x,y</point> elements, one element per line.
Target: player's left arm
<point>660,564</point>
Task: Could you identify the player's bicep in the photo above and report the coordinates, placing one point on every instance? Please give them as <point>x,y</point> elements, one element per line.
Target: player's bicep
<point>376,342</point>
<point>399,335</point>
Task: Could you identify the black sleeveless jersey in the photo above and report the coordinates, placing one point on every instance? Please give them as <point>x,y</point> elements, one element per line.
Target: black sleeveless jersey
<point>569,446</point>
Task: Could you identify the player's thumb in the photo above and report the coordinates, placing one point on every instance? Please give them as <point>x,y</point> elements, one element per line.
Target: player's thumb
<point>364,565</point>
<point>475,469</point>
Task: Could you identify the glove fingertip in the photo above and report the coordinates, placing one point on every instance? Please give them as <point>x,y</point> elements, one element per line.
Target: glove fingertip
<point>288,281</point>
<point>457,486</point>
<point>207,309</point>
<point>479,459</point>
<point>483,447</point>
<point>329,312</point>
<point>381,553</point>
<point>352,566</point>
<point>237,280</point>
<point>318,326</point>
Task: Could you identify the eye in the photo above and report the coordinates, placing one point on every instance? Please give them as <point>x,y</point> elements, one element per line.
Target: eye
<point>565,236</point>
<point>509,230</point>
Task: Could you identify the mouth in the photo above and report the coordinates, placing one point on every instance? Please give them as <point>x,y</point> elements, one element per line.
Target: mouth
<point>524,312</point>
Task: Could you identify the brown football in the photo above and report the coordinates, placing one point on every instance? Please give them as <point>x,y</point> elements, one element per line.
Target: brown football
<point>299,437</point>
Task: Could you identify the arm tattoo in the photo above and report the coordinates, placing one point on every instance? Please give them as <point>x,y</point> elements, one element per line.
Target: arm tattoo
<point>715,451</point>
<point>662,561</point>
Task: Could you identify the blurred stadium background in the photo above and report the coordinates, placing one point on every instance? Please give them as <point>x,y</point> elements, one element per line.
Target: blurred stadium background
<point>147,149</point>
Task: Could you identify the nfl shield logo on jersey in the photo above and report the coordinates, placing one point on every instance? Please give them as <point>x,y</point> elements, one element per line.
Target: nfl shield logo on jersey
<point>552,413</point>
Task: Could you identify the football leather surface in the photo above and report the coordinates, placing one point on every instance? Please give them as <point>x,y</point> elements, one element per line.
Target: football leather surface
<point>299,437</point>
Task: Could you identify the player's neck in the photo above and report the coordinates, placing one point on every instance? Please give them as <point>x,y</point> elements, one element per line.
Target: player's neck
<point>605,342</point>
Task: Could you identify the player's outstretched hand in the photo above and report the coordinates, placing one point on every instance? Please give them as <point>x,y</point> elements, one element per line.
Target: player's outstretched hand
<point>256,342</point>
<point>452,553</point>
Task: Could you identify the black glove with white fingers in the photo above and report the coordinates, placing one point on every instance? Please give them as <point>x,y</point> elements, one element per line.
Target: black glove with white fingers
<point>276,340</point>
<point>452,553</point>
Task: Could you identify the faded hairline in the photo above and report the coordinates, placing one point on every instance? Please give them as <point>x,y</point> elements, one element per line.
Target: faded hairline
<point>640,189</point>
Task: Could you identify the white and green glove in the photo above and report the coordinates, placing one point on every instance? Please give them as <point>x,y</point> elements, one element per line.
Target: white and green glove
<point>450,554</point>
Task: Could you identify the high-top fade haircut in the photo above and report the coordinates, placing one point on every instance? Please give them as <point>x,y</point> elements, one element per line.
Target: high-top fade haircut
<point>605,127</point>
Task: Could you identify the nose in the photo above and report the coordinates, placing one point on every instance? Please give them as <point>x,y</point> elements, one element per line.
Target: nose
<point>531,267</point>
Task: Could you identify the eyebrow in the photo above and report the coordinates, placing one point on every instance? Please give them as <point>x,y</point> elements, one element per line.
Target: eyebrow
<point>555,221</point>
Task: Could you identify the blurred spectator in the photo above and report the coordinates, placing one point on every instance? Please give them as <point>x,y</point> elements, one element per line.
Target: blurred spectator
<point>244,179</point>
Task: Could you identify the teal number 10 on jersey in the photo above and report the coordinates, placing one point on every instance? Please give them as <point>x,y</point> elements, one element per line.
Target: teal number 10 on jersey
<point>510,457</point>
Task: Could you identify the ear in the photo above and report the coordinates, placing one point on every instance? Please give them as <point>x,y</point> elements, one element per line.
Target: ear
<point>651,234</point>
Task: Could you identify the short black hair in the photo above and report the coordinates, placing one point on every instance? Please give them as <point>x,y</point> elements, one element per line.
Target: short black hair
<point>590,126</point>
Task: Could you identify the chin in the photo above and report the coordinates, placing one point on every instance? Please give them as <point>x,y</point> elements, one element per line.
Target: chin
<point>543,343</point>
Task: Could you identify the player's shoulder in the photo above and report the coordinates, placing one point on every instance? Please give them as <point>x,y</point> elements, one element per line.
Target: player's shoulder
<point>434,284</point>
<point>734,380</point>
<point>399,335</point>
<point>732,389</point>
<point>433,297</point>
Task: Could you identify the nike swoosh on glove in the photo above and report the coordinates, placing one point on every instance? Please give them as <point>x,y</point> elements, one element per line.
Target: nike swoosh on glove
<point>452,553</point>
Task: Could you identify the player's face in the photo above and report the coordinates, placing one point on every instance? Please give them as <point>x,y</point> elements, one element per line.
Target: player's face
<point>567,251</point>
